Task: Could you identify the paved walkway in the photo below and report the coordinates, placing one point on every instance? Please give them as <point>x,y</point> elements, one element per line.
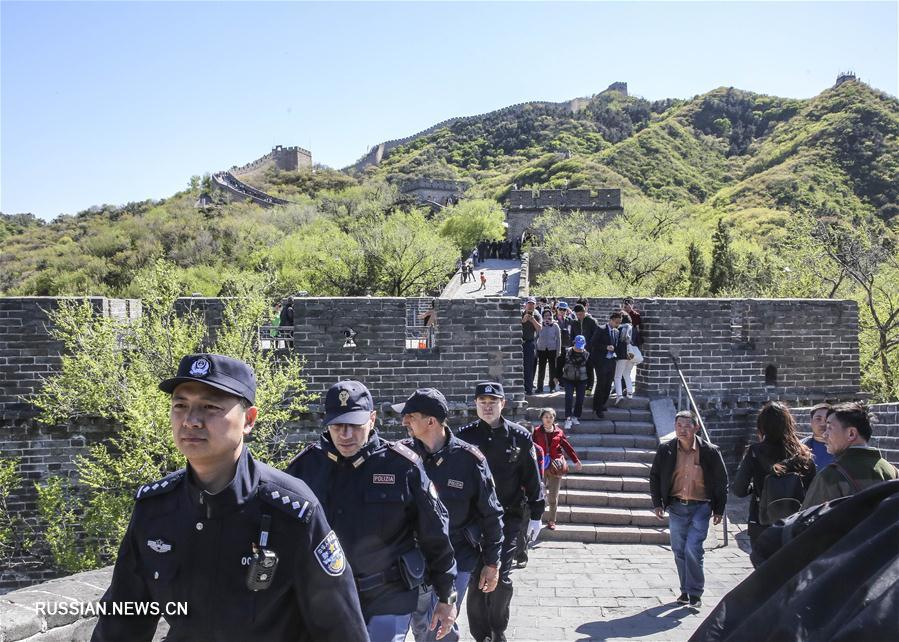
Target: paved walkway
<point>575,591</point>
<point>493,268</point>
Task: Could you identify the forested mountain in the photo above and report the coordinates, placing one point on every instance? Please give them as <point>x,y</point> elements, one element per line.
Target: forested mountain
<point>728,193</point>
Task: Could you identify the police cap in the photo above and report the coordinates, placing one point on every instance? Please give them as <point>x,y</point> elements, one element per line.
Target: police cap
<point>216,370</point>
<point>348,402</point>
<point>489,389</point>
<point>427,401</point>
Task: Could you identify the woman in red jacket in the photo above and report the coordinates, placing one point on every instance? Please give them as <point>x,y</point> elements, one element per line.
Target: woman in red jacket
<point>552,440</point>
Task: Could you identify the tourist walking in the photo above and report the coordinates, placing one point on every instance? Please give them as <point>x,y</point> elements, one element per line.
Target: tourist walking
<point>688,479</point>
<point>778,461</point>
<point>602,348</point>
<point>551,439</point>
<point>549,346</point>
<point>575,374</point>
<point>626,358</point>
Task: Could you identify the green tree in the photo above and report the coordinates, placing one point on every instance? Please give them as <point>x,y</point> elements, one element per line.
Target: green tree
<point>723,273</point>
<point>469,221</point>
<point>696,270</point>
<point>111,369</point>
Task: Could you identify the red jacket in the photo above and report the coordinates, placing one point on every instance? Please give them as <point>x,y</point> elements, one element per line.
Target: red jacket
<point>553,443</point>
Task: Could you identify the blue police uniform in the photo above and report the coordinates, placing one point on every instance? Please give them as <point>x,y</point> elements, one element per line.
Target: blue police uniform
<point>510,454</point>
<point>387,514</point>
<point>186,545</point>
<point>465,486</point>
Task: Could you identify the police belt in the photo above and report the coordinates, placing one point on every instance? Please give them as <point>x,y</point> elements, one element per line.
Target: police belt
<point>371,582</point>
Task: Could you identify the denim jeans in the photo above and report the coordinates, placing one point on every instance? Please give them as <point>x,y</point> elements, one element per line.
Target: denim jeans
<point>574,392</point>
<point>689,526</point>
<point>427,602</point>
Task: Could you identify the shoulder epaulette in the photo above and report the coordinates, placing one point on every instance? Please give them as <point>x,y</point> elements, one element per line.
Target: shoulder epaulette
<point>405,451</point>
<point>471,425</point>
<point>518,429</point>
<point>291,501</point>
<point>305,450</point>
<point>474,450</point>
<point>162,486</point>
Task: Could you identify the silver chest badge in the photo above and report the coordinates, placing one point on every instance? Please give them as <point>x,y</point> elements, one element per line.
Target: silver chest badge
<point>159,545</point>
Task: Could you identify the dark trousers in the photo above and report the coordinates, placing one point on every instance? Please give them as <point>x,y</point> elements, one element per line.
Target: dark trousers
<point>529,358</point>
<point>605,375</point>
<point>488,613</point>
<point>547,358</point>
<point>574,392</point>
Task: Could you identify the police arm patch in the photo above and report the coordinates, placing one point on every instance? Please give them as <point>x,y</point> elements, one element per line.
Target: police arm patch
<point>330,555</point>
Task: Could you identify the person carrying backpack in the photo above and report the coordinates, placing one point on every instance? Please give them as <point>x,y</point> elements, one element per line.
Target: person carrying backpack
<point>776,471</point>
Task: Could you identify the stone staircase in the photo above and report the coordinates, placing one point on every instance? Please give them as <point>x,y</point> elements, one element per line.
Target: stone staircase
<point>608,500</point>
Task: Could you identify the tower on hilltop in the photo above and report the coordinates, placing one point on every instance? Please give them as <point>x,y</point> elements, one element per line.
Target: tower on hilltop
<point>291,158</point>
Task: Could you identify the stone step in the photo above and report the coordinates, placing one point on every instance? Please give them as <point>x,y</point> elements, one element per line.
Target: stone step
<point>604,515</point>
<point>556,400</point>
<point>628,468</point>
<point>606,482</point>
<point>616,454</point>
<point>611,498</point>
<point>603,426</point>
<point>604,534</point>
<point>624,441</point>
<point>612,414</point>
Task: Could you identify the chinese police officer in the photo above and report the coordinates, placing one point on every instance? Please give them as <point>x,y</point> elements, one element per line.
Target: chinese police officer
<point>247,548</point>
<point>510,454</point>
<point>465,486</point>
<point>385,511</point>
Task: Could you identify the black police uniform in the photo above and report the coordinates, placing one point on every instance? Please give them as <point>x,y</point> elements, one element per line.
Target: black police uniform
<point>186,545</point>
<point>465,486</point>
<point>384,509</point>
<point>510,453</point>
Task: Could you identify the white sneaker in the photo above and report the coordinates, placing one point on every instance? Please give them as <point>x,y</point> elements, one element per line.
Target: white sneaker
<point>575,421</point>
<point>568,424</point>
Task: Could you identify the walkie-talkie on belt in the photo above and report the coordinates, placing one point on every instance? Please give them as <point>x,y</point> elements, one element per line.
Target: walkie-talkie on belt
<point>264,562</point>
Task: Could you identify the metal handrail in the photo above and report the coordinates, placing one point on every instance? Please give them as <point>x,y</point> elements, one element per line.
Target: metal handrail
<point>695,409</point>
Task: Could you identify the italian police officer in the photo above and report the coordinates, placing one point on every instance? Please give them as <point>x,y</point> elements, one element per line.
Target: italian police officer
<point>247,548</point>
<point>385,511</point>
<point>510,454</point>
<point>465,486</point>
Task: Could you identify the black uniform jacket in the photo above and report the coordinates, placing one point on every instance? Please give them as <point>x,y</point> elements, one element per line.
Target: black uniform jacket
<point>465,486</point>
<point>185,545</point>
<point>381,502</point>
<point>713,472</point>
<point>513,461</point>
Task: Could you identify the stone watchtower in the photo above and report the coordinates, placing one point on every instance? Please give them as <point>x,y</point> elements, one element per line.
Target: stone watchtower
<point>525,205</point>
<point>291,158</point>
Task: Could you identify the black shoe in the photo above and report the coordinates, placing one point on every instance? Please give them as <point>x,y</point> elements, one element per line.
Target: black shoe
<point>521,563</point>
<point>683,598</point>
<point>695,602</point>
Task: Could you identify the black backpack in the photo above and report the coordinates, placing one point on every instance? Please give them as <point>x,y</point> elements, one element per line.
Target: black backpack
<point>781,496</point>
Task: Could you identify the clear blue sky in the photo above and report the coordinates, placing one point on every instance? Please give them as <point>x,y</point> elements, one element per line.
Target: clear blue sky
<point>112,102</point>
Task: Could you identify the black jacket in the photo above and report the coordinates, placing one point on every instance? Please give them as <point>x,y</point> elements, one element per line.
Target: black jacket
<point>185,545</point>
<point>465,486</point>
<point>585,328</point>
<point>757,464</point>
<point>602,337</point>
<point>713,471</point>
<point>512,458</point>
<point>382,505</point>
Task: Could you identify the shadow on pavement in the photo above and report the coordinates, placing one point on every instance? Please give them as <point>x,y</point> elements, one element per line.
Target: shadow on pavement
<point>648,622</point>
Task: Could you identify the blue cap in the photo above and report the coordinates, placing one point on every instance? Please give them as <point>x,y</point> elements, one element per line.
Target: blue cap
<point>489,389</point>
<point>218,371</point>
<point>427,401</point>
<point>580,342</point>
<point>562,305</point>
<point>348,402</point>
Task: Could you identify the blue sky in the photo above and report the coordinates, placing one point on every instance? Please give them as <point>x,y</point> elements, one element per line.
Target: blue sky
<point>112,102</point>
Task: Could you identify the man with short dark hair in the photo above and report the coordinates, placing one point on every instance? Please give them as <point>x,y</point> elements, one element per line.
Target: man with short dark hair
<point>287,314</point>
<point>688,479</point>
<point>386,512</point>
<point>465,486</point>
<point>856,465</point>
<point>512,458</point>
<point>246,547</point>
<point>816,442</point>
<point>602,350</point>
